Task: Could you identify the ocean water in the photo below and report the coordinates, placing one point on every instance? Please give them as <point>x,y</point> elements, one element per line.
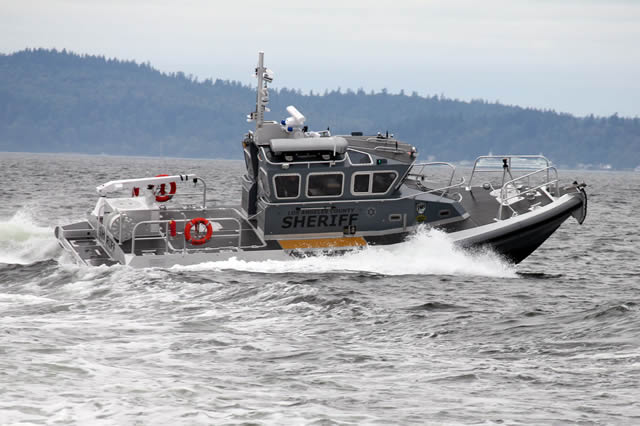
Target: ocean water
<point>419,334</point>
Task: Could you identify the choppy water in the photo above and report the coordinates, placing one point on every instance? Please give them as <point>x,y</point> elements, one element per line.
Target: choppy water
<point>419,334</point>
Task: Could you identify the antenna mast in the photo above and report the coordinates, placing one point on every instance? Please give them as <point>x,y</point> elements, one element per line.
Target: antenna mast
<point>264,76</point>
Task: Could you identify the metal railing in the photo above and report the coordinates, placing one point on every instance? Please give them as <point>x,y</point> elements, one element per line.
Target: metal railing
<point>433,163</point>
<point>180,194</point>
<point>505,164</point>
<point>330,162</point>
<point>151,186</point>
<point>391,149</point>
<point>504,199</point>
<point>498,166</point>
<point>445,189</point>
<point>165,236</point>
<point>420,176</point>
<point>103,231</point>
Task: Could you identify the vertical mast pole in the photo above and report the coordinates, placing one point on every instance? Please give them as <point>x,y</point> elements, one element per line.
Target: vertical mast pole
<point>259,99</point>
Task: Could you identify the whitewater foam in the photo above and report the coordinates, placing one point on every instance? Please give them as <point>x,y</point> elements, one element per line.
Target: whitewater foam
<point>22,241</point>
<point>428,252</point>
<point>22,299</point>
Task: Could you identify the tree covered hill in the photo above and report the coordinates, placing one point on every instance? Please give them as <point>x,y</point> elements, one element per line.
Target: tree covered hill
<point>56,101</point>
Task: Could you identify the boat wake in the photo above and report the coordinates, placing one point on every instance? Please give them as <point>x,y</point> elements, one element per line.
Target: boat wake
<point>22,241</point>
<point>428,252</point>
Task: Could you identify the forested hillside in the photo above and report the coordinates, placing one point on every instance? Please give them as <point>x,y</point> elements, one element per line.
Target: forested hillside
<point>52,101</point>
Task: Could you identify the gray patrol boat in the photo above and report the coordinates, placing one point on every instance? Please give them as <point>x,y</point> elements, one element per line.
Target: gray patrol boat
<point>308,192</point>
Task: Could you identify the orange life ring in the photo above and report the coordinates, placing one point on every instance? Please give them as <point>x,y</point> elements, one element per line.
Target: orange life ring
<point>163,194</point>
<point>197,222</point>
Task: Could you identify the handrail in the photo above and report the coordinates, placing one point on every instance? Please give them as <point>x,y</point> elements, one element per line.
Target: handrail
<point>165,237</point>
<point>204,193</point>
<point>444,189</point>
<point>433,163</point>
<point>388,149</point>
<point>509,159</point>
<point>298,163</point>
<point>149,222</point>
<point>102,232</point>
<point>421,175</point>
<point>185,194</point>
<point>548,182</point>
<point>546,169</point>
<point>533,189</point>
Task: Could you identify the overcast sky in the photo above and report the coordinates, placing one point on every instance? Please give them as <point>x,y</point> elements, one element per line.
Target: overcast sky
<point>573,56</point>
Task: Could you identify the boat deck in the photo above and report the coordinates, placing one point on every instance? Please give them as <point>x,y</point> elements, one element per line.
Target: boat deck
<point>483,208</point>
<point>82,240</point>
<point>231,232</point>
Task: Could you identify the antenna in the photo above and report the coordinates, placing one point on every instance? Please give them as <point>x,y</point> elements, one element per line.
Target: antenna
<point>264,76</point>
<point>259,99</point>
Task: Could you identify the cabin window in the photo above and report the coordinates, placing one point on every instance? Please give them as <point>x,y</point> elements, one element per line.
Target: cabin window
<point>382,181</point>
<point>359,158</point>
<point>366,183</point>
<point>287,186</point>
<point>361,183</point>
<point>324,184</point>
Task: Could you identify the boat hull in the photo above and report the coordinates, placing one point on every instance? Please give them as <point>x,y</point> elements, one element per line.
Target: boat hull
<point>516,238</point>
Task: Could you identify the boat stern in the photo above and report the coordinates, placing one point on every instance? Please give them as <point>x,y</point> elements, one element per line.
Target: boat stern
<point>80,241</point>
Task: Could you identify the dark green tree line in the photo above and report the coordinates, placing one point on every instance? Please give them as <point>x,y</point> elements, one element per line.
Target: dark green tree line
<point>57,101</point>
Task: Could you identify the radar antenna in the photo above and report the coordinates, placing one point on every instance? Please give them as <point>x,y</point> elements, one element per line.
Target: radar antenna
<point>264,76</point>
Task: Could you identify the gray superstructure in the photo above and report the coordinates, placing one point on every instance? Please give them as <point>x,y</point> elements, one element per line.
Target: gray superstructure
<point>312,192</point>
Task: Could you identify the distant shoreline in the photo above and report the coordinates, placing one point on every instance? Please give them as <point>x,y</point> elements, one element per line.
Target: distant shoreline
<point>460,164</point>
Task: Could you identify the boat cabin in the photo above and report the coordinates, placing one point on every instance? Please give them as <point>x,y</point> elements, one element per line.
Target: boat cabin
<point>301,183</point>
